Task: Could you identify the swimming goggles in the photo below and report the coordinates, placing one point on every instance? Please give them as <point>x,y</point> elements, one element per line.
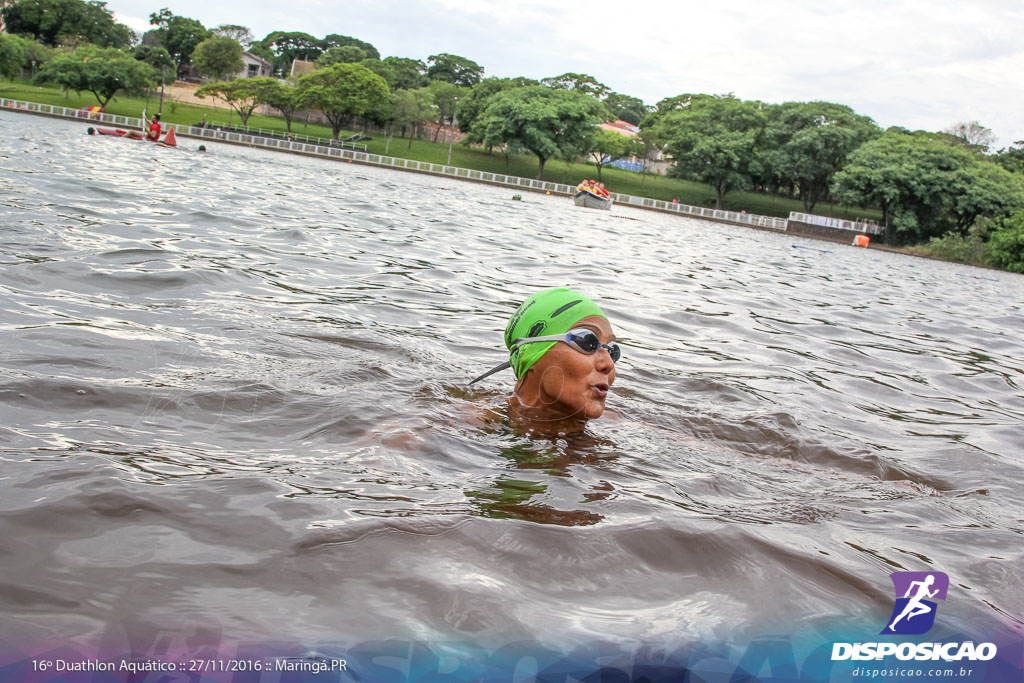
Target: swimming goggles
<point>583,340</point>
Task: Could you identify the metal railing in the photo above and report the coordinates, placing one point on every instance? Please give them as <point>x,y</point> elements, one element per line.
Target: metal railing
<point>274,133</point>
<point>70,113</point>
<point>837,223</point>
<point>319,149</point>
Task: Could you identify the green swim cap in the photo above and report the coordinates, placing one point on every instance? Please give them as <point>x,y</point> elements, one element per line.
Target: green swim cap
<point>552,311</point>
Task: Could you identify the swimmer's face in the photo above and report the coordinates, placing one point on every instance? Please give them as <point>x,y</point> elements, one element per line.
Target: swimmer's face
<point>575,384</point>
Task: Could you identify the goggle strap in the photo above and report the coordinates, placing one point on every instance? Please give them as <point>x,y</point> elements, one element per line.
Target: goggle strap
<point>490,372</point>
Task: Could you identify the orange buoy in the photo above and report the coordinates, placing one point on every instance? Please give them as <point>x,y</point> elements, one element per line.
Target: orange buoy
<point>170,139</point>
<point>861,241</point>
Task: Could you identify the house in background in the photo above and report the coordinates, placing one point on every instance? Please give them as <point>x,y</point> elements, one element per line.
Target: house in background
<point>655,162</point>
<point>255,66</point>
<point>252,66</point>
<point>621,127</point>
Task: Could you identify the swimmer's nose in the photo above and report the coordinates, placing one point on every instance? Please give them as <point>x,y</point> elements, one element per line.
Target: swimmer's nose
<point>603,360</point>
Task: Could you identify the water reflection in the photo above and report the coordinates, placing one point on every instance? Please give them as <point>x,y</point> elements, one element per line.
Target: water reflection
<point>525,499</point>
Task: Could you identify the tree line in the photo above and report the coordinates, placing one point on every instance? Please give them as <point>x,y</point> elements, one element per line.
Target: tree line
<point>927,186</point>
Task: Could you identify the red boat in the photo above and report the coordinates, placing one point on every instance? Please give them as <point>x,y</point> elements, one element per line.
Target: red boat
<point>169,139</point>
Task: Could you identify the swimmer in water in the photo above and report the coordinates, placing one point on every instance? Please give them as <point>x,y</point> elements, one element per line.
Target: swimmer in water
<point>563,353</point>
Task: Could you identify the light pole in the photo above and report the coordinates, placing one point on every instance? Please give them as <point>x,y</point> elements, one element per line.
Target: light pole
<point>162,67</point>
<point>451,124</point>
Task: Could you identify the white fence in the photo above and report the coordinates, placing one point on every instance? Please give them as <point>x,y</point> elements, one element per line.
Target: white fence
<point>838,223</point>
<point>268,132</point>
<point>740,218</point>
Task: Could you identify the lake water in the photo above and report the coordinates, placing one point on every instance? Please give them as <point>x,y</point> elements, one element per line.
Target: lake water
<point>234,413</point>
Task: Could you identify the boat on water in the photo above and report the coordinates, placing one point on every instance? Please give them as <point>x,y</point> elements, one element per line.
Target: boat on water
<point>592,201</point>
<point>169,139</point>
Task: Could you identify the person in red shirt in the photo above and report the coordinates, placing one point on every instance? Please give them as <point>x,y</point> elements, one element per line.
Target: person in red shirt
<point>153,133</point>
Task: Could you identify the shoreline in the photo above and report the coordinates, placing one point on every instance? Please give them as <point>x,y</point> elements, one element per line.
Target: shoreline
<point>757,222</point>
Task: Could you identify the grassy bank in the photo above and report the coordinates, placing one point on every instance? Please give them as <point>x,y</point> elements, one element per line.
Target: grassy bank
<point>617,180</point>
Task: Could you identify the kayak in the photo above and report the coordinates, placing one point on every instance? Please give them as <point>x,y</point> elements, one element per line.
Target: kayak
<point>169,139</point>
<point>117,132</point>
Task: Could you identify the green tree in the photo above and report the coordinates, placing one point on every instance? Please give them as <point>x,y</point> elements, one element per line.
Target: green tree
<point>545,121</point>
<point>446,98</point>
<point>409,73</point>
<point>335,40</point>
<point>346,54</point>
<point>607,146</point>
<point>681,102</point>
<point>1012,158</point>
<point>242,94</point>
<point>1006,243</point>
<point>985,189</point>
<point>153,38</point>
<point>178,35</point>
<point>883,173</point>
<point>972,135</point>
<point>219,57</point>
<point>454,69</point>
<point>101,71</point>
<point>58,22</point>
<point>924,186</point>
<point>474,102</point>
<point>409,108</point>
<point>382,69</point>
<point>12,56</point>
<point>345,90</point>
<point>714,140</point>
<point>240,34</point>
<point>287,99</point>
<point>588,85</point>
<point>156,57</point>
<point>263,52</point>
<point>289,46</point>
<point>37,54</point>
<point>808,143</point>
<point>629,109</point>
<point>649,145</point>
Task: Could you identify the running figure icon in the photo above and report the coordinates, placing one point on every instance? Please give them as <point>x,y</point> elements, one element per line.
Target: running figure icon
<point>914,610</point>
<point>915,607</point>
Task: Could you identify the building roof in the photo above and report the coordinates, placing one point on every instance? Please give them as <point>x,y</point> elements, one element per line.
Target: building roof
<point>256,58</point>
<point>621,127</point>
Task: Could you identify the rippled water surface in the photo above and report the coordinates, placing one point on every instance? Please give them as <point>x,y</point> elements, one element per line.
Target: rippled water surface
<point>233,399</point>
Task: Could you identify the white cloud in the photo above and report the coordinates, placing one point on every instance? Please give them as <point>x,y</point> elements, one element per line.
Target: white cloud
<point>136,24</point>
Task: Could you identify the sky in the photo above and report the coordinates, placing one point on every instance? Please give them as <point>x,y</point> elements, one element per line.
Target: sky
<point>920,65</point>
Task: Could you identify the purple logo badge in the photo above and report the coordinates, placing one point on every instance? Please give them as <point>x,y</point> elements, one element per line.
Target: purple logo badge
<point>914,612</point>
